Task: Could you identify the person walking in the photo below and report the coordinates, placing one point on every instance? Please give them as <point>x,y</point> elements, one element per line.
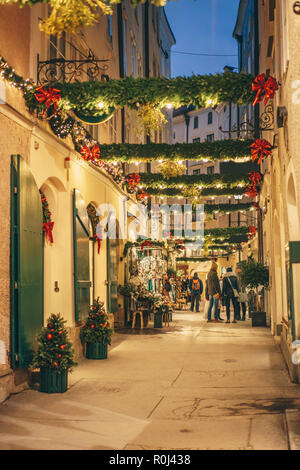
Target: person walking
<point>243,296</point>
<point>196,288</point>
<point>213,292</point>
<point>230,293</point>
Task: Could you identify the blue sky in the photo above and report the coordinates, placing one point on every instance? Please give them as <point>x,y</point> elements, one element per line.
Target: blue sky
<point>202,26</point>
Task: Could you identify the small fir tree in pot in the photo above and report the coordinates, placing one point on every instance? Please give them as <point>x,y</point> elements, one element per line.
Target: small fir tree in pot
<point>254,275</point>
<point>96,332</point>
<point>54,356</point>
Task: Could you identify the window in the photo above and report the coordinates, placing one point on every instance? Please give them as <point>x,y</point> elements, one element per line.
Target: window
<point>174,135</point>
<point>132,59</point>
<point>196,122</point>
<point>210,138</point>
<point>110,28</point>
<point>197,172</point>
<point>210,170</point>
<point>272,6</point>
<point>210,118</point>
<point>196,140</point>
<point>125,46</point>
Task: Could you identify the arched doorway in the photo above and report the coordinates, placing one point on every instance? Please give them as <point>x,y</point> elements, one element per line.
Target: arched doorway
<point>26,263</point>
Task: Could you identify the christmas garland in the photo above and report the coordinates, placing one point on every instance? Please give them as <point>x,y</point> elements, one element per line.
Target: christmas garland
<point>184,259</point>
<point>155,180</point>
<point>142,244</point>
<point>47,221</point>
<point>227,208</point>
<point>228,150</point>
<point>200,90</point>
<point>204,193</point>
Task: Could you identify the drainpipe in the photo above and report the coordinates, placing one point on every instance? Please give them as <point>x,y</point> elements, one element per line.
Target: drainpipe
<point>147,63</point>
<point>121,62</point>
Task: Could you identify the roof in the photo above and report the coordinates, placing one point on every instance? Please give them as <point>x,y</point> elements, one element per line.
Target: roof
<point>238,29</point>
<point>168,24</point>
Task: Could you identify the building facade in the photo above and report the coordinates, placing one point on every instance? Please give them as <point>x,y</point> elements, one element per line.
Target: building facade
<point>66,275</point>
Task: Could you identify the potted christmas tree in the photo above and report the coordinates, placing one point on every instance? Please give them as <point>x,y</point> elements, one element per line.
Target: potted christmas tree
<point>96,332</point>
<point>254,275</point>
<point>54,356</point>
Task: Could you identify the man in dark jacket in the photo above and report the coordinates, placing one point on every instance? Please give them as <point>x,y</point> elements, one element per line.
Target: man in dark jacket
<point>213,292</point>
<point>229,289</point>
<point>196,288</point>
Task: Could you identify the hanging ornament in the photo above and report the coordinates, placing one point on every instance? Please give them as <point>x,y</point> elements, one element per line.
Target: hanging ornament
<point>142,196</point>
<point>47,222</point>
<point>260,149</point>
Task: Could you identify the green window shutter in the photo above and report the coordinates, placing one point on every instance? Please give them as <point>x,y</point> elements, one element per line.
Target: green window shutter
<point>26,263</point>
<point>82,282</point>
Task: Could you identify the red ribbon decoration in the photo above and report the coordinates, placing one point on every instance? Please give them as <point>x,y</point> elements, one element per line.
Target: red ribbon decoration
<point>270,89</point>
<point>98,240</point>
<point>142,195</point>
<point>49,97</point>
<point>146,243</point>
<point>251,191</point>
<point>256,205</point>
<point>252,230</point>
<point>91,154</point>
<point>258,85</point>
<point>264,88</point>
<point>47,228</point>
<point>260,149</point>
<point>255,178</point>
<point>133,180</point>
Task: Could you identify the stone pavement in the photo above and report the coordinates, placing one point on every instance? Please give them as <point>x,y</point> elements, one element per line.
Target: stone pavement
<point>194,385</point>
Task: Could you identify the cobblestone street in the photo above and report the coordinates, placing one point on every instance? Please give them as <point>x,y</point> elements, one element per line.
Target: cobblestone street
<point>190,386</point>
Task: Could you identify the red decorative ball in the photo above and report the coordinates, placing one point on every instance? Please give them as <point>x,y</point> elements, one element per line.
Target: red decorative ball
<point>60,332</point>
<point>49,336</point>
<point>92,326</point>
<point>55,364</point>
<point>62,346</point>
<point>59,355</point>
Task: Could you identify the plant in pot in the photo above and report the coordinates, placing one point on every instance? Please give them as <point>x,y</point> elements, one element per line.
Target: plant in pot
<point>54,356</point>
<point>253,276</point>
<point>96,332</point>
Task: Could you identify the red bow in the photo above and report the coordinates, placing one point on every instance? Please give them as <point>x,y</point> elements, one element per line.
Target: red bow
<point>91,154</point>
<point>254,177</point>
<point>146,243</point>
<point>270,89</point>
<point>142,195</point>
<point>251,191</point>
<point>47,228</point>
<point>258,85</point>
<point>252,231</point>
<point>260,149</point>
<point>49,97</point>
<point>133,179</point>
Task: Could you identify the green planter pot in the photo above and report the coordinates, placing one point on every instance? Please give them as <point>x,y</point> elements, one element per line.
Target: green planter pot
<point>158,320</point>
<point>53,381</point>
<point>96,351</point>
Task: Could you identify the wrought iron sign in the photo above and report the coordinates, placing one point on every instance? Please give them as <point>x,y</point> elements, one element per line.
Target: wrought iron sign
<point>248,128</point>
<point>63,70</point>
<point>296,8</point>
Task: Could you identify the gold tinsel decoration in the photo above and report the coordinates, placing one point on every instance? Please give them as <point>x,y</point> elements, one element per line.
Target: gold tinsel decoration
<point>171,169</point>
<point>149,118</point>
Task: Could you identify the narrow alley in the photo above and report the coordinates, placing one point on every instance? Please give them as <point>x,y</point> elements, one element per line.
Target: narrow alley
<point>193,385</point>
